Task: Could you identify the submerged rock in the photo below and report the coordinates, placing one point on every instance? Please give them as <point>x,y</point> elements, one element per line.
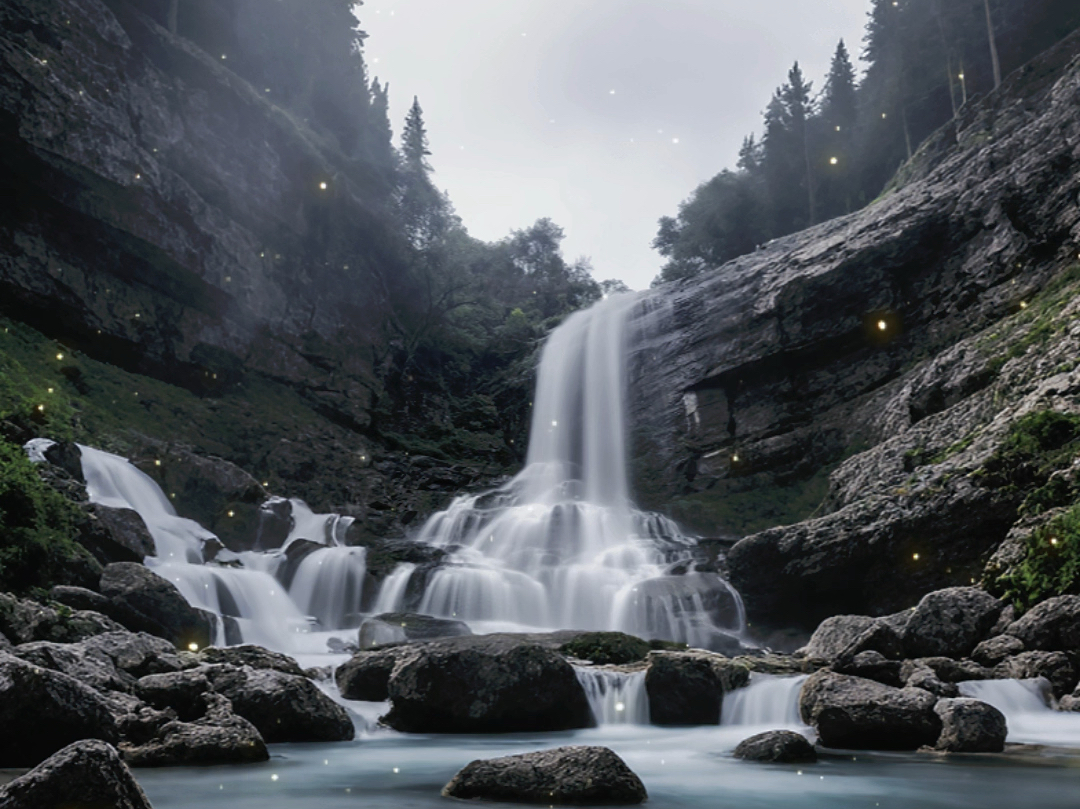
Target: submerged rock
<point>574,776</point>
<point>42,711</point>
<point>777,746</point>
<point>398,627</point>
<point>855,713</point>
<point>970,726</point>
<point>486,684</point>
<point>83,774</point>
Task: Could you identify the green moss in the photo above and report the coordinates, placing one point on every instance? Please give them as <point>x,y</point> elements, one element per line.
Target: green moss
<point>1037,321</point>
<point>607,648</point>
<point>37,526</point>
<point>1050,566</point>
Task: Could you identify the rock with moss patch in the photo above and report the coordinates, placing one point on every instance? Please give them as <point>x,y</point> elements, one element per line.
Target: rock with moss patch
<point>607,648</point>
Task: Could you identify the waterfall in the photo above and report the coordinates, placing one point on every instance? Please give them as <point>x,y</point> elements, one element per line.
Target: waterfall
<point>1029,715</point>
<point>561,546</point>
<point>616,697</point>
<point>769,702</point>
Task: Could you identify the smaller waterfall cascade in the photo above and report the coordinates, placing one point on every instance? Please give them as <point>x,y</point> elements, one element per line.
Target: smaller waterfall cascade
<point>770,702</point>
<point>616,697</point>
<point>1029,715</point>
<point>562,546</point>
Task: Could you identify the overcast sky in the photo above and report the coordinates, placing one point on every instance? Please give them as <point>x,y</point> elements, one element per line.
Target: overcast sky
<point>600,114</point>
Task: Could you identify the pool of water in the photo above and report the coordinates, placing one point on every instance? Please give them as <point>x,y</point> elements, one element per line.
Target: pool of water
<point>690,767</point>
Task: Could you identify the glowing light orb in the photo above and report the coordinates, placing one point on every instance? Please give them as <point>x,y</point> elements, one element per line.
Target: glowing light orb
<point>915,556</point>
<point>322,186</point>
<point>194,647</point>
<point>833,161</point>
<point>882,325</point>
<point>59,356</point>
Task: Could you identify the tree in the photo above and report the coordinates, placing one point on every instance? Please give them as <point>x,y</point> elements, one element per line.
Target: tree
<point>424,211</point>
<point>414,141</point>
<point>382,135</point>
<point>835,152</point>
<point>993,45</point>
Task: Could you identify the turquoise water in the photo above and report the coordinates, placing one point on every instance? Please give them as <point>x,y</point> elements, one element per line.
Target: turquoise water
<point>680,768</point>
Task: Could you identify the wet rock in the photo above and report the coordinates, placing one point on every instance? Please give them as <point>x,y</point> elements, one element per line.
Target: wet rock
<point>916,674</point>
<point>182,691</point>
<point>284,707</point>
<point>367,675</point>
<point>68,457</point>
<point>87,665</point>
<point>1071,702</point>
<point>834,635</point>
<point>992,651</point>
<point>1052,626</point>
<point>24,621</point>
<point>137,653</point>
<point>397,627</point>
<point>970,726</point>
<point>79,598</point>
<point>871,665</point>
<point>855,713</point>
<point>486,684</point>
<point>573,776</point>
<point>250,655</point>
<point>83,774</point>
<point>117,535</point>
<point>950,622</point>
<point>953,671</point>
<point>1056,667</point>
<point>157,605</point>
<point>687,688</point>
<point>219,736</point>
<point>778,747</point>
<point>42,711</point>
<point>275,523</point>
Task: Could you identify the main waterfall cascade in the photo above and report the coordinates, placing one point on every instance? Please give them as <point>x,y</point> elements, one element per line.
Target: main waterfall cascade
<point>561,546</point>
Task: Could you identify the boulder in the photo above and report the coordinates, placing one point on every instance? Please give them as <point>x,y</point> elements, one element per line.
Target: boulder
<point>950,622</point>
<point>970,726</point>
<point>871,665</point>
<point>83,774</point>
<point>856,713</point>
<point>182,691</point>
<point>137,653</point>
<point>1071,702</point>
<point>916,674</point>
<point>67,456</point>
<point>90,666</point>
<point>606,648</point>
<point>117,535</point>
<point>218,737</point>
<point>250,655</point>
<point>156,604</point>
<point>685,688</point>
<point>80,598</point>
<point>1056,667</point>
<point>834,635</point>
<point>398,627</point>
<point>778,747</point>
<point>24,621</point>
<point>42,711</point>
<point>486,684</point>
<point>573,776</point>
<point>284,707</point>
<point>1052,626</point>
<point>367,675</point>
<point>992,651</point>
<point>953,671</point>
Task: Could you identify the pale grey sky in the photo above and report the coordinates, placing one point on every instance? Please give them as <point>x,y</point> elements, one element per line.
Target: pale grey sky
<point>600,114</point>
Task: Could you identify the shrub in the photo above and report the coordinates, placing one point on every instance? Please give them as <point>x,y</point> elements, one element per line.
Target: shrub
<point>1050,566</point>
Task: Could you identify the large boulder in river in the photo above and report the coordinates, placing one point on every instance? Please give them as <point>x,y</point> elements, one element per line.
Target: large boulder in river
<point>157,605</point>
<point>685,688</point>
<point>569,776</point>
<point>84,774</point>
<point>950,622</point>
<point>1052,626</point>
<point>88,665</point>
<point>42,711</point>
<point>848,635</point>
<point>116,535</point>
<point>398,627</point>
<point>855,713</point>
<point>284,707</point>
<point>486,684</point>
<point>366,676</point>
<point>777,747</point>
<point>970,726</point>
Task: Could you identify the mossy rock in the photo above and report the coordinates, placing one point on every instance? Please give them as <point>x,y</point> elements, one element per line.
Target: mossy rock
<point>607,648</point>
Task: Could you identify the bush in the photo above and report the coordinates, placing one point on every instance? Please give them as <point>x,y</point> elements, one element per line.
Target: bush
<point>37,525</point>
<point>1051,563</point>
<point>1038,445</point>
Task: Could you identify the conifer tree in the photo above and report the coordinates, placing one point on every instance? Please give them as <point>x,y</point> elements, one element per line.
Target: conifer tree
<point>414,141</point>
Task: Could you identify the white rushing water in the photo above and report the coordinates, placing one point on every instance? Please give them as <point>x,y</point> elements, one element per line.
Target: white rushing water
<point>616,697</point>
<point>1029,714</point>
<point>768,702</point>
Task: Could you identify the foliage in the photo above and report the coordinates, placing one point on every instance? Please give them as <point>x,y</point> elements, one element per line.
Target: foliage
<point>823,157</point>
<point>1050,565</point>
<point>607,648</point>
<point>37,525</point>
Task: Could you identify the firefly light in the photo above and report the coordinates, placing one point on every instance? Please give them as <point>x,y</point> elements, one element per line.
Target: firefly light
<point>915,556</point>
<point>59,356</point>
<point>882,325</point>
<point>833,161</point>
<point>322,186</point>
<point>194,647</point>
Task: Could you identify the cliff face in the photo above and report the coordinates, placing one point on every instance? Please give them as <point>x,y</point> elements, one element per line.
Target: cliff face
<point>162,213</point>
<point>900,343</point>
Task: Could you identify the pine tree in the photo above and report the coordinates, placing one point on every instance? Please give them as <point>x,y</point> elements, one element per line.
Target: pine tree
<point>836,152</point>
<point>414,141</point>
<point>382,133</point>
